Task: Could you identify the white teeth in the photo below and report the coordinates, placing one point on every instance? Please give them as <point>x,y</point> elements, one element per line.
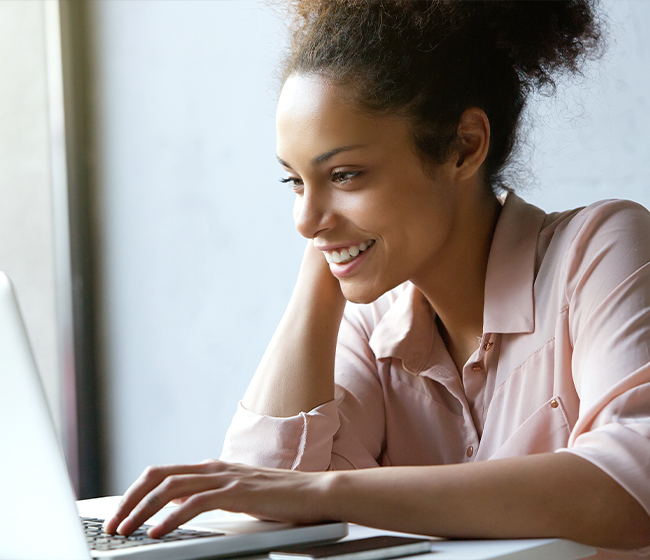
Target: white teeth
<point>346,255</point>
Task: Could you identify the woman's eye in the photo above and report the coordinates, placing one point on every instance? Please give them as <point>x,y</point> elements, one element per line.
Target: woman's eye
<point>344,176</point>
<point>293,182</point>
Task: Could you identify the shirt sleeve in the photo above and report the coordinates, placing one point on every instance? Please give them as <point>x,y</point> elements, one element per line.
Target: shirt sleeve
<point>608,290</point>
<point>345,433</point>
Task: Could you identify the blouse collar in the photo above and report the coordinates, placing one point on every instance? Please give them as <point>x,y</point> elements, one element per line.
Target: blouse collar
<point>408,330</point>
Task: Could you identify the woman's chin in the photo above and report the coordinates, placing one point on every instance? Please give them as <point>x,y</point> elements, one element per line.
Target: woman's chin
<point>357,293</point>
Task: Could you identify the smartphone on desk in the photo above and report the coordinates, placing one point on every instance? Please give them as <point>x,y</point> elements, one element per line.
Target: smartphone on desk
<point>371,548</point>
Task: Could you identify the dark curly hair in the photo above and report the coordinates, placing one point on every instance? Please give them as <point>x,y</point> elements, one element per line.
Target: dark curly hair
<point>432,60</point>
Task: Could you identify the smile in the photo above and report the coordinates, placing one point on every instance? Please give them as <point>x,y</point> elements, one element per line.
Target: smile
<point>347,255</point>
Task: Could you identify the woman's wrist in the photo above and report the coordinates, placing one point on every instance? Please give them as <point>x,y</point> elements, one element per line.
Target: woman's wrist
<point>329,494</point>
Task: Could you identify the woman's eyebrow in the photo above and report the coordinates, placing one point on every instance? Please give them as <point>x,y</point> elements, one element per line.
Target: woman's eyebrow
<point>325,156</point>
<point>283,163</point>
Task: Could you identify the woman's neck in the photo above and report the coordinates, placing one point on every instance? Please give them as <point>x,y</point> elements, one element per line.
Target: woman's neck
<point>455,286</point>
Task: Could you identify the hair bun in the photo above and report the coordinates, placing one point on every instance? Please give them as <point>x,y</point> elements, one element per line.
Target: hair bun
<point>543,38</point>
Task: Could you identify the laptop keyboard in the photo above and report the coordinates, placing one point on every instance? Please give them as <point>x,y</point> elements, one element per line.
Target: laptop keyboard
<point>98,540</point>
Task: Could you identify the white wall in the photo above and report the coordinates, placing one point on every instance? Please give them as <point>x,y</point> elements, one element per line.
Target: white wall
<point>27,251</point>
<point>198,253</point>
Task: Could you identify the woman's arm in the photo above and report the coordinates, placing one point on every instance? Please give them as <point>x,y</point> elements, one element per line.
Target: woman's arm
<point>297,371</point>
<point>546,495</point>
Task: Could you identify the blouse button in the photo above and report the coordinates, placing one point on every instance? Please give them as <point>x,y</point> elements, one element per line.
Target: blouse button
<point>470,451</point>
<point>488,345</point>
<point>476,366</point>
<point>554,404</point>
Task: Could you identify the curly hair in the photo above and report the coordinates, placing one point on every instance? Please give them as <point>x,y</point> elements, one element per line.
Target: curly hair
<point>432,60</point>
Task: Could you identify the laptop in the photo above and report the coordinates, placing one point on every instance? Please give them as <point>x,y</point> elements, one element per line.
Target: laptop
<point>39,518</point>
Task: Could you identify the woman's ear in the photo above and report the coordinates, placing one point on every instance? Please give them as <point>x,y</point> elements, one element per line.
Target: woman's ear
<point>473,142</point>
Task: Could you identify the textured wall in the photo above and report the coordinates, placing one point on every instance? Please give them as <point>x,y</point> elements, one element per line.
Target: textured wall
<point>197,247</point>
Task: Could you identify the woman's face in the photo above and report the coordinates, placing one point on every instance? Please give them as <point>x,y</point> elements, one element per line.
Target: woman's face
<point>362,193</point>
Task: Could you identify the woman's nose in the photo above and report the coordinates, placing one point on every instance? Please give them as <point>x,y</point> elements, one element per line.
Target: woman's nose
<point>312,212</point>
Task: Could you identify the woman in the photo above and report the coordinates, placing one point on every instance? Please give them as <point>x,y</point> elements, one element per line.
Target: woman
<point>478,327</point>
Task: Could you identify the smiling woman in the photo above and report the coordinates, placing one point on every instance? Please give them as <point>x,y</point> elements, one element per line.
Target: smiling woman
<point>358,181</point>
<point>492,359</point>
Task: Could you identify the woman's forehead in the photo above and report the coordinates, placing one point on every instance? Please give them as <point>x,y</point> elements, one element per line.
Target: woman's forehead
<point>307,92</point>
<point>315,116</point>
<point>308,101</point>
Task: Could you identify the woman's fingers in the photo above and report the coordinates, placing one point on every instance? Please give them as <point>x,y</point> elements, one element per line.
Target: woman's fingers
<point>174,486</point>
<point>192,506</point>
<point>141,489</point>
<point>150,477</point>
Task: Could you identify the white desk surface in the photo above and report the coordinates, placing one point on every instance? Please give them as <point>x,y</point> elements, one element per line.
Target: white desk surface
<point>521,549</point>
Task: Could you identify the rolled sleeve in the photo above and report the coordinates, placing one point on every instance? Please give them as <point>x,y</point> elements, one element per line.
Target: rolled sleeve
<point>302,442</point>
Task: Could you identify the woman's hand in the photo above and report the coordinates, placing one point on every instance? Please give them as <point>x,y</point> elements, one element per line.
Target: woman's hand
<point>273,494</point>
<point>314,268</point>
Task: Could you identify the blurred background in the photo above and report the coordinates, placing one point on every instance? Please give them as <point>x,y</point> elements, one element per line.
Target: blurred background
<point>150,243</point>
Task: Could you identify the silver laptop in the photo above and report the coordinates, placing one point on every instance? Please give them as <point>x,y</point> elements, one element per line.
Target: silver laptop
<point>39,519</point>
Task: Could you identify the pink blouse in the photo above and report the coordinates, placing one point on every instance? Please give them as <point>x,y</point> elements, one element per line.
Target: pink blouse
<point>563,364</point>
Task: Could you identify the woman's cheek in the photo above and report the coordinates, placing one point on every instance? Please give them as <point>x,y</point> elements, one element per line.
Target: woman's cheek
<point>296,208</point>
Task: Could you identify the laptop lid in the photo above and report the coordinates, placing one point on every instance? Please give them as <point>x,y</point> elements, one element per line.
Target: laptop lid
<point>34,482</point>
<point>39,518</point>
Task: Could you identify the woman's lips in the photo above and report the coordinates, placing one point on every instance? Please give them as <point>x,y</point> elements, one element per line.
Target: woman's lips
<point>343,269</point>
